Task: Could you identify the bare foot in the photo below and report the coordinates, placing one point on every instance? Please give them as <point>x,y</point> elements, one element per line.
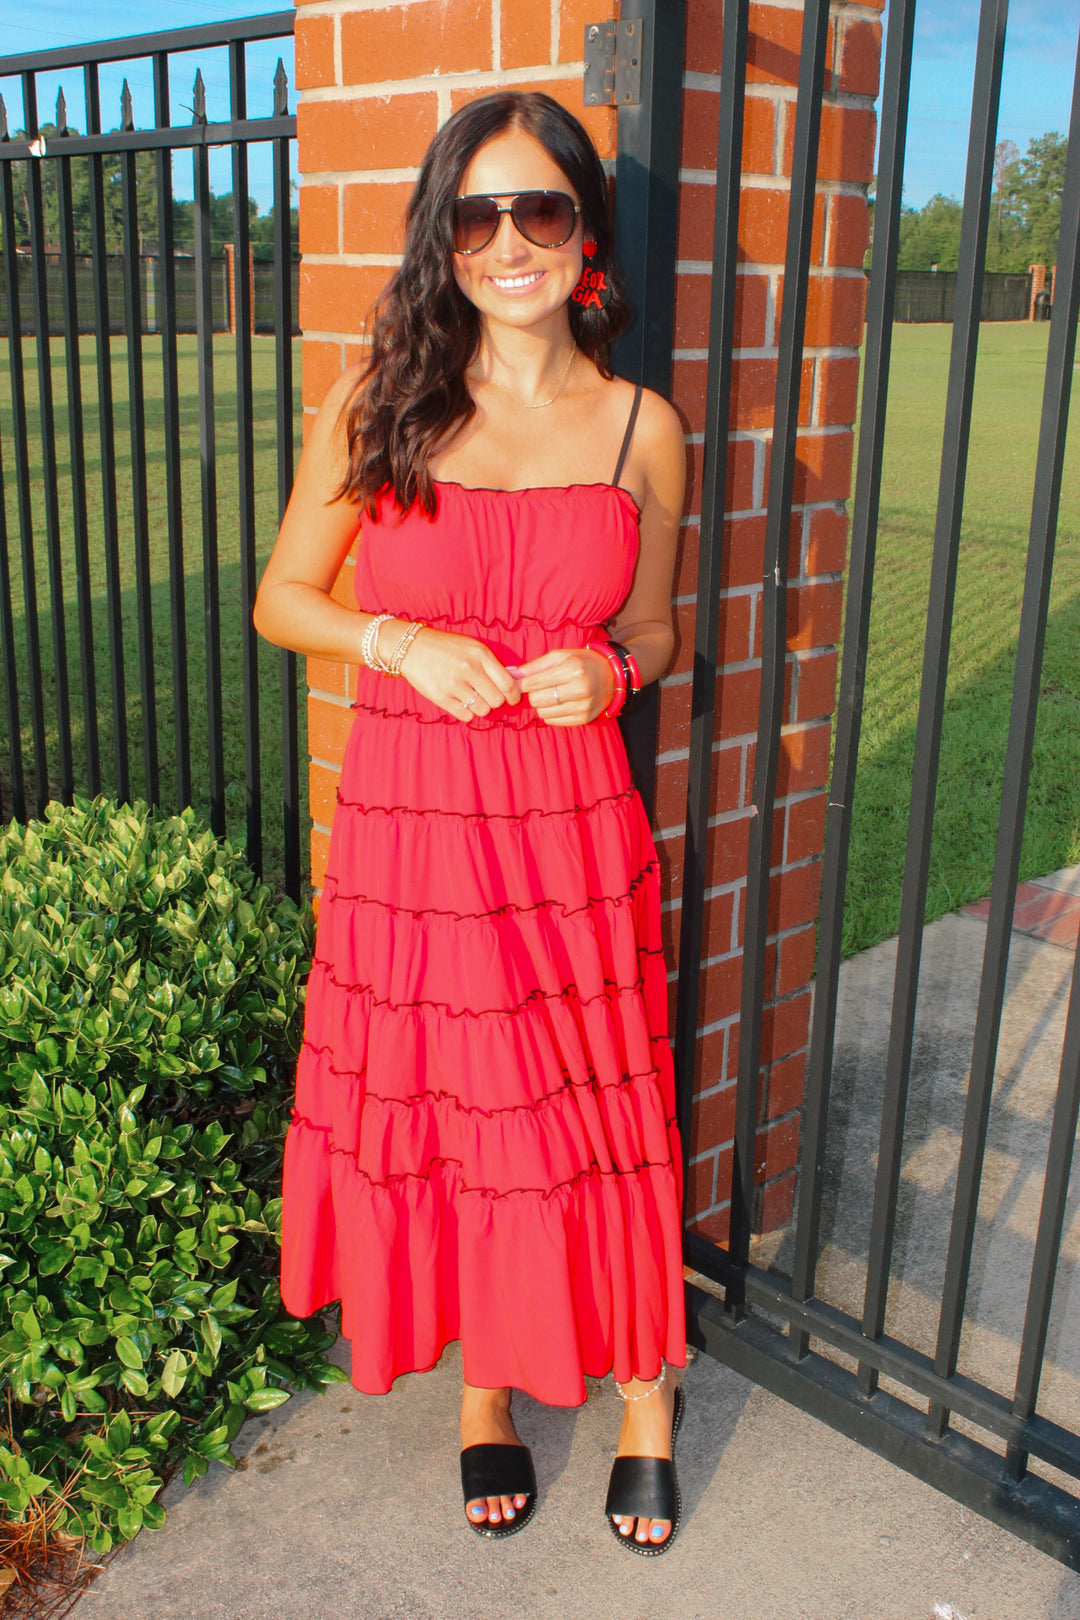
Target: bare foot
<point>486,1420</point>
<point>646,1432</point>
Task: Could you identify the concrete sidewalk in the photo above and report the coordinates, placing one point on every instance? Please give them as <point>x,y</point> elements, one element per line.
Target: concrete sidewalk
<point>348,1505</point>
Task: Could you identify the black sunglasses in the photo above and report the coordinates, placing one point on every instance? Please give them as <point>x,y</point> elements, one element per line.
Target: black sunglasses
<point>544,218</point>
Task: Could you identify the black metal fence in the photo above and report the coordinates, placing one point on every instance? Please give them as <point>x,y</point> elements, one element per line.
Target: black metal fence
<point>116,431</point>
<point>975,1431</point>
<point>930,295</point>
<point>154,279</point>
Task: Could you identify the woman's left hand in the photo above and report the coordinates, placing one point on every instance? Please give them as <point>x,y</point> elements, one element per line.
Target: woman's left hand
<point>567,686</point>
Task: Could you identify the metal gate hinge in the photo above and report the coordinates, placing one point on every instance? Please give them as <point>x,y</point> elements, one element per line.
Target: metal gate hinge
<point>613,63</point>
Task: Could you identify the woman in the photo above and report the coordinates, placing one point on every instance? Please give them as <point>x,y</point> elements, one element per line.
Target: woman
<point>484,1144</point>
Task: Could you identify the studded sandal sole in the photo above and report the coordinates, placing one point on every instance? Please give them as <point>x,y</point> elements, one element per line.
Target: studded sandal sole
<point>647,1488</point>
<point>499,1470</point>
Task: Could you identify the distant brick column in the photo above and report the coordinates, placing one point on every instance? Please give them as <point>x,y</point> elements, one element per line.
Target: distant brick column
<point>834,330</point>
<point>230,285</point>
<point>375,83</point>
<point>1037,272</point>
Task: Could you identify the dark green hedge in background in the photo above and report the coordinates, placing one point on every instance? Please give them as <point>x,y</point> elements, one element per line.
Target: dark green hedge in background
<point>150,1003</point>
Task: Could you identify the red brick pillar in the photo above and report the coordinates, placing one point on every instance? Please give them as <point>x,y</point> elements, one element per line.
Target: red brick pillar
<point>374,86</point>
<point>1037,272</point>
<point>230,285</point>
<point>818,548</point>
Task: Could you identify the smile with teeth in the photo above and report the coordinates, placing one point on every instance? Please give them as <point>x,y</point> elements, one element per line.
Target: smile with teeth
<point>509,283</point>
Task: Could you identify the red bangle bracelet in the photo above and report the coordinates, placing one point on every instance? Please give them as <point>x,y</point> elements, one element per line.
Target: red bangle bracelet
<point>619,696</point>
<point>632,670</point>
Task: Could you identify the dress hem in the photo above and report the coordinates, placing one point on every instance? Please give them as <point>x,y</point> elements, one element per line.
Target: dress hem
<point>405,1372</point>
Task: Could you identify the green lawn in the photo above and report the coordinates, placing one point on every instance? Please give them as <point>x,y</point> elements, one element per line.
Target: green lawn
<point>997,510</point>
<point>264,397</point>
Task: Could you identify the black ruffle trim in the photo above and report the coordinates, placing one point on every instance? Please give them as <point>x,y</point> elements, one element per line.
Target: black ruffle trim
<point>570,811</point>
<point>588,627</point>
<point>567,992</point>
<point>332,892</point>
<point>482,722</point>
<point>484,1192</point>
<point>592,1084</point>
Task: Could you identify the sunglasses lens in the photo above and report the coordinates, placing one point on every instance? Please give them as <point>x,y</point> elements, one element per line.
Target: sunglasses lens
<point>545,218</point>
<point>476,220</point>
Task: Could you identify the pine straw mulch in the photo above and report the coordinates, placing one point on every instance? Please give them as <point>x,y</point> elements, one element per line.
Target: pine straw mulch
<point>43,1571</point>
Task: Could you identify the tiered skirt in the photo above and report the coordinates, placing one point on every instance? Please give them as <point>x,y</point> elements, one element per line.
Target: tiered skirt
<point>484,1145</point>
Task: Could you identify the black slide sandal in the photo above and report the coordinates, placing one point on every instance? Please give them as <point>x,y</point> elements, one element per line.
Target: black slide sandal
<point>647,1488</point>
<point>498,1470</point>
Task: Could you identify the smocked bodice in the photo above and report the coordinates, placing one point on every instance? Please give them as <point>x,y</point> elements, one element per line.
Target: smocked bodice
<point>522,570</point>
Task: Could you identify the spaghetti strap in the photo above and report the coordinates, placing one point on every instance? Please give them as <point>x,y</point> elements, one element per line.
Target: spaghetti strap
<point>628,435</point>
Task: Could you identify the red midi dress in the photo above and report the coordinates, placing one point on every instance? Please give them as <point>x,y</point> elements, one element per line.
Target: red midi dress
<point>484,1143</point>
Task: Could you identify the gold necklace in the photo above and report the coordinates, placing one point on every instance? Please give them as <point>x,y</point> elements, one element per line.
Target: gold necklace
<point>540,403</point>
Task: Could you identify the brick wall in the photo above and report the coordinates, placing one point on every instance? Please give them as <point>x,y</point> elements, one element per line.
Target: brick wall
<point>375,83</point>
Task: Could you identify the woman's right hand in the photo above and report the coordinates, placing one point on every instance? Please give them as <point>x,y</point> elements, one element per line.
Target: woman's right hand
<point>448,669</point>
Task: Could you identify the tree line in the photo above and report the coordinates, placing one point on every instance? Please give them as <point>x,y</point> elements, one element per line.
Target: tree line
<point>260,226</point>
<point>1025,216</point>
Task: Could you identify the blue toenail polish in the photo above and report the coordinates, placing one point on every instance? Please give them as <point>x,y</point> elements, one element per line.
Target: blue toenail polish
<point>657,1531</point>
<point>509,1513</point>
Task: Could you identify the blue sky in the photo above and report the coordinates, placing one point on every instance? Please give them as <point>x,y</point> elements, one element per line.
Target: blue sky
<point>1040,59</point>
<point>1039,62</point>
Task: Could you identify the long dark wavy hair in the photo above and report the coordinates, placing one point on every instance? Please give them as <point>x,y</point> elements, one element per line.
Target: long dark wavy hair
<point>425,332</point>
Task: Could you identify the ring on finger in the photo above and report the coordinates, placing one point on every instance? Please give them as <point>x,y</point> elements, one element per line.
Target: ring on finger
<point>555,691</point>
<point>468,702</point>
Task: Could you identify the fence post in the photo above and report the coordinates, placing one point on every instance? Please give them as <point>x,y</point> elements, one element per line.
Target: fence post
<point>837,291</point>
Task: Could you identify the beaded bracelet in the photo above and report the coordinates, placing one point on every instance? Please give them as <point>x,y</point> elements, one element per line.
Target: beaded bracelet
<point>618,669</point>
<point>398,654</point>
<point>369,643</point>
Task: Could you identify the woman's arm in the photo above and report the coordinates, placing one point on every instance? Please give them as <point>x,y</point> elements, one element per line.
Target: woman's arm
<point>294,607</point>
<point>643,623</point>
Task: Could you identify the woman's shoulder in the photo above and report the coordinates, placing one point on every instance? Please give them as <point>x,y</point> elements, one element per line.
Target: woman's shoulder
<point>342,391</point>
<point>659,434</point>
<point>657,422</point>
<point>657,451</point>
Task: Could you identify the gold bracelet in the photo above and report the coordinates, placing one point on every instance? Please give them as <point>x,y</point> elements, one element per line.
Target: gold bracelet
<point>369,644</point>
<point>398,654</point>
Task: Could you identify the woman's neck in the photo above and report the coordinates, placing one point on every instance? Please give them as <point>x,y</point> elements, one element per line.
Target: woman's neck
<point>528,363</point>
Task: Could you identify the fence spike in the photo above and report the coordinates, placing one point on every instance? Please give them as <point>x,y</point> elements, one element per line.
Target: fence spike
<point>281,90</point>
<point>127,120</point>
<point>198,93</point>
<point>61,112</point>
<point>4,135</point>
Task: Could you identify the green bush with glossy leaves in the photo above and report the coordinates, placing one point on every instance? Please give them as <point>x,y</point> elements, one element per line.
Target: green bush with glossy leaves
<point>150,1006</point>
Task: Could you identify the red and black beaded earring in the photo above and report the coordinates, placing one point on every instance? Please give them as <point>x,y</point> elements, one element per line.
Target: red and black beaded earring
<point>593,286</point>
